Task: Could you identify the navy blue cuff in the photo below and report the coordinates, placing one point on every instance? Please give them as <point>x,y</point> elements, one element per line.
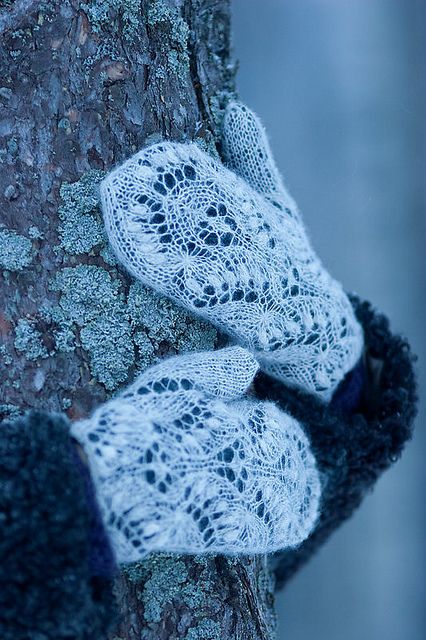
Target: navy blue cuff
<point>101,559</point>
<point>348,395</point>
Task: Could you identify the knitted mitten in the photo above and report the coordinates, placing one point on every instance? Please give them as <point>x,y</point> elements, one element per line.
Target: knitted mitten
<point>181,462</point>
<point>233,249</point>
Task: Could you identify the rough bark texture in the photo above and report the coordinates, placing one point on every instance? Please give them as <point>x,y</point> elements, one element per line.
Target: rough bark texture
<point>82,87</point>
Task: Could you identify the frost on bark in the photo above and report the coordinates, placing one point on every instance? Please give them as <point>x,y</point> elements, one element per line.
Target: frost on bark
<point>83,85</point>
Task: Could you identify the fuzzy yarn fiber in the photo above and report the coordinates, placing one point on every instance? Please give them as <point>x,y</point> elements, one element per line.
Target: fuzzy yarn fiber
<point>47,590</point>
<point>351,451</point>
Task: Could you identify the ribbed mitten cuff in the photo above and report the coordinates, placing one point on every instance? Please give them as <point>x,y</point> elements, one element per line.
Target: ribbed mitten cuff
<point>352,449</point>
<point>47,588</point>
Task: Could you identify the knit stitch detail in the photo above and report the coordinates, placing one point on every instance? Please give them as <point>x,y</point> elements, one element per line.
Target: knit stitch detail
<point>184,224</point>
<point>181,462</point>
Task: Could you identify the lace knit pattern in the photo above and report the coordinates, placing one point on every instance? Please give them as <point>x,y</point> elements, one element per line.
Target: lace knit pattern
<point>246,151</point>
<point>184,224</point>
<point>182,463</point>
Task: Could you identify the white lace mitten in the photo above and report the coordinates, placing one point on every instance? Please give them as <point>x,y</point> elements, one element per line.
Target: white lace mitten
<point>234,251</point>
<point>181,462</point>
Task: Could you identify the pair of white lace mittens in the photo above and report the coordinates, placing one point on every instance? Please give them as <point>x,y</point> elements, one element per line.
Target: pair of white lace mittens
<point>181,461</point>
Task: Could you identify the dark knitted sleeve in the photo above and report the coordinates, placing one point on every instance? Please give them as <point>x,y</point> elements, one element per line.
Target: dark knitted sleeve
<point>351,450</point>
<point>47,586</point>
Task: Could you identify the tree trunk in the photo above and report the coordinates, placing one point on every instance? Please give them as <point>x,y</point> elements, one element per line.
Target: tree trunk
<point>82,87</point>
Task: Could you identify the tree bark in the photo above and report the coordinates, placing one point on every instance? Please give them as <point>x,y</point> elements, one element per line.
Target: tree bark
<point>83,86</point>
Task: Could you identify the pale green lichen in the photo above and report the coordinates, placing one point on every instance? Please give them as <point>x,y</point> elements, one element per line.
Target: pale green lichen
<point>153,138</point>
<point>81,228</point>
<point>145,350</point>
<point>163,576</point>
<point>196,597</point>
<point>62,328</point>
<point>205,630</point>
<point>198,593</point>
<point>35,233</point>
<point>10,192</point>
<point>109,256</point>
<point>7,358</point>
<point>197,336</point>
<point>29,340</point>
<point>164,321</point>
<point>64,337</point>
<point>218,103</point>
<point>86,292</point>
<point>100,16</point>
<point>104,50</point>
<point>10,411</point>
<point>174,47</point>
<point>5,92</point>
<point>91,299</point>
<point>208,144</point>
<point>64,123</point>
<point>160,12</point>
<point>119,333</point>
<point>137,571</point>
<point>166,584</point>
<point>108,340</point>
<point>12,146</point>
<point>178,62</point>
<point>149,310</point>
<point>15,251</point>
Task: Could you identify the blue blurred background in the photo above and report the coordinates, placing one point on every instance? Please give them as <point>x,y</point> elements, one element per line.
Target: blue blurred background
<point>341,88</point>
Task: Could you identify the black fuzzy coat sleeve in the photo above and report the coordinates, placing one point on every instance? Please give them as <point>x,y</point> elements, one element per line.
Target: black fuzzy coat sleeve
<point>47,590</point>
<point>351,451</point>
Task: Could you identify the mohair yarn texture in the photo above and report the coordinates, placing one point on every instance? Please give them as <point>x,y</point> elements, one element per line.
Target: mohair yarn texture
<point>46,591</point>
<point>234,250</point>
<point>183,461</point>
<point>351,451</point>
<point>46,587</point>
